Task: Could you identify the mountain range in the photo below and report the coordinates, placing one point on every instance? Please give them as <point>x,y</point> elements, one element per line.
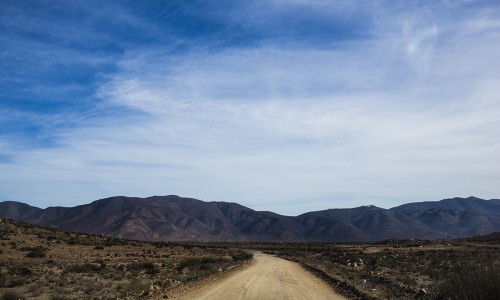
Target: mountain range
<point>173,218</point>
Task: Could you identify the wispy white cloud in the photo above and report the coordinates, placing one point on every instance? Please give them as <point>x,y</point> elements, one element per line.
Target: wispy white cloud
<point>408,113</point>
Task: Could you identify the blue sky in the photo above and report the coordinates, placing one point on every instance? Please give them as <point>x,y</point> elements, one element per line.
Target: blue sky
<point>289,106</point>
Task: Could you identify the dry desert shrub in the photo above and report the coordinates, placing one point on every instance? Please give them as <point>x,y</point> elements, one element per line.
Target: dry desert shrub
<point>34,252</point>
<point>135,287</point>
<point>11,295</point>
<point>202,264</point>
<point>473,281</point>
<point>82,268</point>
<point>147,266</point>
<point>242,256</point>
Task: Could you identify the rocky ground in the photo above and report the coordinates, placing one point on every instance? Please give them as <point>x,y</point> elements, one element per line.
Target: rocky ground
<point>45,263</point>
<point>405,269</point>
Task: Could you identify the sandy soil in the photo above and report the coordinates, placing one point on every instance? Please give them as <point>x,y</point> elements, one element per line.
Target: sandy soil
<point>268,277</point>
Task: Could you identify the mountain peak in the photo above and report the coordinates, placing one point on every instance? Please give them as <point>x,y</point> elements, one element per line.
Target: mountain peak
<point>173,217</point>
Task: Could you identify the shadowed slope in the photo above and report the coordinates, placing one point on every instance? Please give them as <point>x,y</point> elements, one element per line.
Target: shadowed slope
<point>186,219</point>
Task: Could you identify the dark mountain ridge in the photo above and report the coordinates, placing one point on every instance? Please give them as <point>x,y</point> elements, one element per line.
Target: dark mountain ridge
<point>185,219</point>
<point>455,204</point>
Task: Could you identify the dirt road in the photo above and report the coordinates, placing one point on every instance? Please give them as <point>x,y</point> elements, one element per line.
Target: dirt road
<point>267,277</point>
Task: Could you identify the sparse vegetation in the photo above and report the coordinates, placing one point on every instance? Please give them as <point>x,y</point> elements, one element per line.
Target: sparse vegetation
<point>146,266</point>
<point>472,280</point>
<point>403,269</point>
<point>40,262</point>
<point>82,268</point>
<point>242,256</point>
<point>134,288</point>
<point>37,262</point>
<point>11,295</point>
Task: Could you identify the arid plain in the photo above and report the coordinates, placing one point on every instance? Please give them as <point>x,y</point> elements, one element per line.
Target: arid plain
<point>45,263</point>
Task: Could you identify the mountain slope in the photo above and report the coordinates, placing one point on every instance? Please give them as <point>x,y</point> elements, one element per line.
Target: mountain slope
<point>159,218</point>
<point>19,211</point>
<point>454,204</point>
<point>366,223</point>
<point>186,219</point>
<point>456,217</point>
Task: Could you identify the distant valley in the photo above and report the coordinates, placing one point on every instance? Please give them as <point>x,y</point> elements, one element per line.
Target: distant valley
<point>173,218</point>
